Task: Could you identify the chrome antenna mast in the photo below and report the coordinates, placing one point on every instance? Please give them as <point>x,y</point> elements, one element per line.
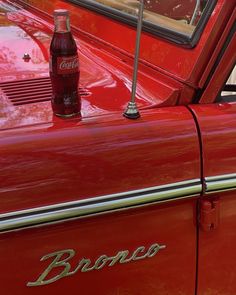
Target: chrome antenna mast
<point>131,111</point>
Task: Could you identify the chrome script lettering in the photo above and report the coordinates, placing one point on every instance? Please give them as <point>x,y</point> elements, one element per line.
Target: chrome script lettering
<point>62,265</point>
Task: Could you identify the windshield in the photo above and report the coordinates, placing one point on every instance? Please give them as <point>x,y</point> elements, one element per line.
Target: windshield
<point>179,16</point>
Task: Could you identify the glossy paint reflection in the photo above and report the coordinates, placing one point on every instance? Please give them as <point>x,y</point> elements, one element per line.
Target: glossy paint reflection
<point>217,271</point>
<point>71,160</point>
<point>106,75</point>
<point>20,34</point>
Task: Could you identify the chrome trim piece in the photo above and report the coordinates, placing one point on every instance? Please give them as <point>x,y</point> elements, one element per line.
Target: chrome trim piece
<point>85,207</point>
<point>195,13</point>
<point>220,183</point>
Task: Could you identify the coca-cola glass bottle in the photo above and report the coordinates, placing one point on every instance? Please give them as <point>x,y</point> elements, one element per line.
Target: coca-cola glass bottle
<point>64,68</point>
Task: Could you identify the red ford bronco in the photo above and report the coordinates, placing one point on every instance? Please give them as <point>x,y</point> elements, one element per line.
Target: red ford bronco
<point>105,205</point>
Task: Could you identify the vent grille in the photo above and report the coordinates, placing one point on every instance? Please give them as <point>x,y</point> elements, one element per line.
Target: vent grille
<point>31,91</point>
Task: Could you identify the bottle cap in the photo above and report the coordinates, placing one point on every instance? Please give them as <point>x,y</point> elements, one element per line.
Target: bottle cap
<point>61,12</point>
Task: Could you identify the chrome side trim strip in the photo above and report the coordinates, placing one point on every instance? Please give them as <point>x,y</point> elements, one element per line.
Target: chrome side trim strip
<point>220,183</point>
<point>86,207</point>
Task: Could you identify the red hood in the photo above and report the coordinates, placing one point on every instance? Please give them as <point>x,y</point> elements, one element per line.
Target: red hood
<point>105,76</point>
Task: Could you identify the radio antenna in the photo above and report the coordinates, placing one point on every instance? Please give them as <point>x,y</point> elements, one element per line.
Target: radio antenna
<point>131,111</point>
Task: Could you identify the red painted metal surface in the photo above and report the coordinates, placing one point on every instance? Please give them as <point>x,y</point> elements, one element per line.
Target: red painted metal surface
<point>209,214</point>
<point>106,75</point>
<point>218,128</point>
<point>216,273</point>
<point>217,51</point>
<point>171,271</point>
<point>70,160</point>
<point>179,62</point>
<point>104,145</point>
<point>221,74</point>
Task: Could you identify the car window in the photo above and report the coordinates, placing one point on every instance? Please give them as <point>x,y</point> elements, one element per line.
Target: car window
<point>179,21</point>
<point>181,16</point>
<point>228,93</point>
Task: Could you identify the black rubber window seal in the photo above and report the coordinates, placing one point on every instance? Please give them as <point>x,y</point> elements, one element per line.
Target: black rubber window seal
<point>219,58</point>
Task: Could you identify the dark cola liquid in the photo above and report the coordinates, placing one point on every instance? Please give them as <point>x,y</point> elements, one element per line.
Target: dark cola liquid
<point>64,74</point>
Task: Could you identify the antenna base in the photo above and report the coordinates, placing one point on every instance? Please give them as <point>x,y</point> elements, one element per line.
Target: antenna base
<point>132,111</point>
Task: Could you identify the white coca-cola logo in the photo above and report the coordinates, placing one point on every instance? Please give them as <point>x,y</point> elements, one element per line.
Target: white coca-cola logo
<point>68,64</point>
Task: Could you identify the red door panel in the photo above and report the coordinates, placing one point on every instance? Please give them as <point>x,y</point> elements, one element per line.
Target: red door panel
<point>170,271</point>
<point>217,269</point>
<point>95,162</point>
